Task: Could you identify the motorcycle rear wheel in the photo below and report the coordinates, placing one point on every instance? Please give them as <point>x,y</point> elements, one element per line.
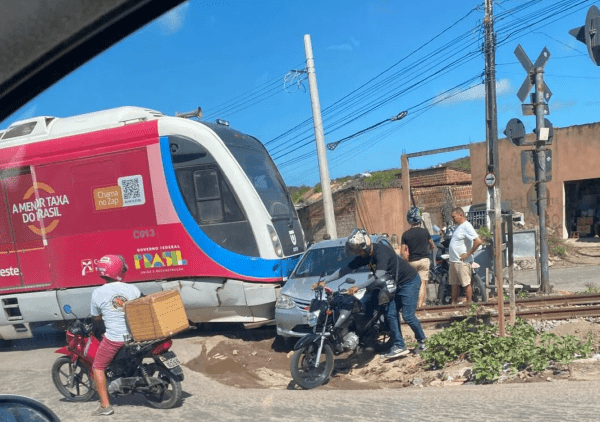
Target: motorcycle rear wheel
<point>168,394</point>
<point>303,369</point>
<point>72,380</point>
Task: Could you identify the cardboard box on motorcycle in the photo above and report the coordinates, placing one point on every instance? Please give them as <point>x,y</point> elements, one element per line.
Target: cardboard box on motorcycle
<point>156,316</point>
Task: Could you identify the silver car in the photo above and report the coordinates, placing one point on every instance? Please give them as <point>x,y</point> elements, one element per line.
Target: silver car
<point>295,296</point>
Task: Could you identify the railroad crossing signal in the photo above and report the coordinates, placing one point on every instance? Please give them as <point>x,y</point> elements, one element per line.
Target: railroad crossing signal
<point>531,69</point>
<point>588,34</point>
<point>530,159</point>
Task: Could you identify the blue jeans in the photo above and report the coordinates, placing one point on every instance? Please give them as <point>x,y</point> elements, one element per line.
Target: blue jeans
<point>405,300</point>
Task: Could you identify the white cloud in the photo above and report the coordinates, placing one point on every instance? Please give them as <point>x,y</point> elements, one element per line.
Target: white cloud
<point>503,87</point>
<point>346,46</point>
<point>558,105</point>
<point>173,21</point>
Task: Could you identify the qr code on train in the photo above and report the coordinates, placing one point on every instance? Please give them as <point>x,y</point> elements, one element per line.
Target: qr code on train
<point>132,188</point>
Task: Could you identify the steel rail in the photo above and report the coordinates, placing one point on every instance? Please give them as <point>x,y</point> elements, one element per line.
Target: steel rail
<point>527,314</point>
<point>534,302</point>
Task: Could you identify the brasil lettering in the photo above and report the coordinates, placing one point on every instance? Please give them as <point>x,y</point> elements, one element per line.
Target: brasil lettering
<point>40,208</point>
<point>36,209</point>
<point>164,259</point>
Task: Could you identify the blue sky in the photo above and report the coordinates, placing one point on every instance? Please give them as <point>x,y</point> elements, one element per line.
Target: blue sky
<point>373,59</point>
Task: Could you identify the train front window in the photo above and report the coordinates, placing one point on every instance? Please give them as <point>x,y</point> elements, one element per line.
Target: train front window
<point>265,178</point>
<point>208,195</point>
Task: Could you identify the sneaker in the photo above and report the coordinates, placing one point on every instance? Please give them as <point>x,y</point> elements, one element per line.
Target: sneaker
<point>420,348</point>
<point>103,411</point>
<point>396,351</point>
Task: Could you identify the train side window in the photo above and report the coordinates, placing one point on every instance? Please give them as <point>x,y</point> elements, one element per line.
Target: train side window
<point>208,195</point>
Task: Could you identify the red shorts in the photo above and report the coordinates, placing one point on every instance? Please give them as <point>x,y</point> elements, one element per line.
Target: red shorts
<point>106,352</point>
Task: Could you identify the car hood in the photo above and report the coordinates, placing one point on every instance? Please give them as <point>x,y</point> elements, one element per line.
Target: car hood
<point>300,288</point>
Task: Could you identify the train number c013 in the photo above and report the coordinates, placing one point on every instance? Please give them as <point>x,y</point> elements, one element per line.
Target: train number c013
<point>140,234</point>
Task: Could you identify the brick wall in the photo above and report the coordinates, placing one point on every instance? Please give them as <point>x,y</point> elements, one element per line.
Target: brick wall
<point>430,199</point>
<point>380,210</point>
<point>438,176</point>
<point>313,221</point>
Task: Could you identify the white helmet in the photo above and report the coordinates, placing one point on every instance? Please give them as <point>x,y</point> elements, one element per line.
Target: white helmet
<point>358,241</point>
<point>414,216</point>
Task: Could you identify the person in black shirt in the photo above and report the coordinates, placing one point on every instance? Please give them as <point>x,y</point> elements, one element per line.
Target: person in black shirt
<point>381,259</point>
<point>416,249</point>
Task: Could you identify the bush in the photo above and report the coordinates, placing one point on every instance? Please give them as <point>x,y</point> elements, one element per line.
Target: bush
<point>481,344</point>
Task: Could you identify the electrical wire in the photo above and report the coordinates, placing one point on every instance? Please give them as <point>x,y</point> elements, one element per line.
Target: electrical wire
<point>557,9</point>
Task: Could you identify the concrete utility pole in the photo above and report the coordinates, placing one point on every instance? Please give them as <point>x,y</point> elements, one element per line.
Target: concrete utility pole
<point>541,138</point>
<point>492,178</point>
<point>320,139</point>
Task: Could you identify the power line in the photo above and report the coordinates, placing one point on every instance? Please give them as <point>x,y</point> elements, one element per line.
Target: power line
<point>357,97</point>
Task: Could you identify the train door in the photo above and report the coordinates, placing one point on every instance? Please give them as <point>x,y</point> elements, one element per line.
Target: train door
<point>10,276</point>
<point>31,217</point>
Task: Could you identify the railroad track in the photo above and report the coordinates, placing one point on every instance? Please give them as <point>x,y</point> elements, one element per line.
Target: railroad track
<point>542,308</point>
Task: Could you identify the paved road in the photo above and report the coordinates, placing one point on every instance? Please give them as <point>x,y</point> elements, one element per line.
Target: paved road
<point>27,372</point>
<point>575,279</point>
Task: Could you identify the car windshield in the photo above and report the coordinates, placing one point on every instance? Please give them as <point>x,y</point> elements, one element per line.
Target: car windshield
<point>323,260</point>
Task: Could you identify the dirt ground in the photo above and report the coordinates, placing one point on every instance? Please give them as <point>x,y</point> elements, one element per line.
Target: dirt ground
<point>257,359</point>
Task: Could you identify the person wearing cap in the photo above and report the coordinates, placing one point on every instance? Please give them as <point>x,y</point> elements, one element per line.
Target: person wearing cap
<point>108,305</point>
<point>382,259</point>
<point>416,249</point>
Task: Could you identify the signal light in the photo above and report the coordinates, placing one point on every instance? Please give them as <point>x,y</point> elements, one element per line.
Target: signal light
<point>588,34</point>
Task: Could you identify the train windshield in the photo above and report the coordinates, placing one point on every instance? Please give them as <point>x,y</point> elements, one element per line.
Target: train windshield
<point>265,178</point>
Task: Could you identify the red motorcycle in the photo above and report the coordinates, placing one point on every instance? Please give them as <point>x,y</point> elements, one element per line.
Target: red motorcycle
<point>159,382</point>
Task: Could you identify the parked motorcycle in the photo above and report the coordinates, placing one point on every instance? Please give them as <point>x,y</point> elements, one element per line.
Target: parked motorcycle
<point>341,323</point>
<point>159,382</point>
<point>439,272</point>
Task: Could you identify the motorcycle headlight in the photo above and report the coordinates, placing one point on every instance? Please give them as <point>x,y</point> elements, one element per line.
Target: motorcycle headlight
<point>313,317</point>
<point>360,293</point>
<point>284,302</point>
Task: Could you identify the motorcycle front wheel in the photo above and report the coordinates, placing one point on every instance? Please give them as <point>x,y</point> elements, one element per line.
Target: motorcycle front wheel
<point>445,292</point>
<point>72,379</point>
<point>303,366</point>
<point>479,291</point>
<point>168,393</point>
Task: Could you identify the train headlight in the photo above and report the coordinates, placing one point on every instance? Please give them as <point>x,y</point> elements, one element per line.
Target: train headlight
<point>275,240</point>
<point>284,302</point>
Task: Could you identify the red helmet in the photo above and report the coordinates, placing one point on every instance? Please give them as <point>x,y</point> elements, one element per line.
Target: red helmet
<point>111,266</point>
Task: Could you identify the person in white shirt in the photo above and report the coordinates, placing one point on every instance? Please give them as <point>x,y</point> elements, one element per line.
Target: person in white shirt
<point>463,245</point>
<point>108,303</point>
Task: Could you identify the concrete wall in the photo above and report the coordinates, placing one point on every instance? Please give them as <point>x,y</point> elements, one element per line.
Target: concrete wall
<point>575,152</point>
<point>381,210</point>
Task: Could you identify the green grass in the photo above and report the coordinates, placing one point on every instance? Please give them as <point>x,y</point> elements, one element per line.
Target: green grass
<point>556,247</point>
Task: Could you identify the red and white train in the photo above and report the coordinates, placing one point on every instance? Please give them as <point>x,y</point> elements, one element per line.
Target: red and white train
<point>193,206</point>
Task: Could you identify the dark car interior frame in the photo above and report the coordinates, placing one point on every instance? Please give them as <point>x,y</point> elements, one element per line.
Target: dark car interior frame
<point>42,41</point>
